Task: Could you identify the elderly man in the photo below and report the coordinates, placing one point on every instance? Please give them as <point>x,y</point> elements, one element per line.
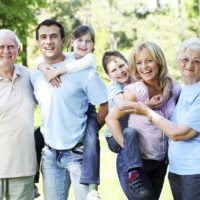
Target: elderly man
<point>17,148</point>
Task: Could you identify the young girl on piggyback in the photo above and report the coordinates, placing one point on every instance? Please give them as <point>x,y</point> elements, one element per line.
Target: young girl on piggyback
<point>149,67</point>
<point>82,57</point>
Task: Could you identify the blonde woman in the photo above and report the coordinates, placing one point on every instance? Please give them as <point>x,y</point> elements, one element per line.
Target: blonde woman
<point>148,65</point>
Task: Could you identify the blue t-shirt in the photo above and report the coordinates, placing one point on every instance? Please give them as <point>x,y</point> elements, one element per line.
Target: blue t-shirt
<point>184,156</point>
<point>114,89</point>
<point>64,108</point>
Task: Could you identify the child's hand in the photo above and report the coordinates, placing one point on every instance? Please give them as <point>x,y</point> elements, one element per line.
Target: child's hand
<point>51,74</point>
<point>156,101</point>
<point>55,82</point>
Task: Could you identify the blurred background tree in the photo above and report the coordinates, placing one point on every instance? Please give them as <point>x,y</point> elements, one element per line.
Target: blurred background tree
<point>20,16</point>
<point>119,24</point>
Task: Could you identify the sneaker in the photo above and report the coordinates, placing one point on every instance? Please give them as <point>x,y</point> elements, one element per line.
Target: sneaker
<point>36,191</point>
<point>138,188</point>
<point>93,195</point>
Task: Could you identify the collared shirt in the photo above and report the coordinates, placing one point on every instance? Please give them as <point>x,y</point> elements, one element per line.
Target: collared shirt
<point>64,108</point>
<point>184,156</point>
<point>17,147</point>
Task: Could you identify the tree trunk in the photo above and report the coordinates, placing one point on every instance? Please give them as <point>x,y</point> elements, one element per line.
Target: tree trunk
<point>180,8</point>
<point>113,42</point>
<point>24,56</point>
<point>158,4</point>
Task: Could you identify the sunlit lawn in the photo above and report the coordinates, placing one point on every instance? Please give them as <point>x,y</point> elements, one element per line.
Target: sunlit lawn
<point>110,188</point>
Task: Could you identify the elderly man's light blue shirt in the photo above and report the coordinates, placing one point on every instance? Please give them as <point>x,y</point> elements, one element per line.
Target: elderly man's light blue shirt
<point>64,108</point>
<point>184,156</point>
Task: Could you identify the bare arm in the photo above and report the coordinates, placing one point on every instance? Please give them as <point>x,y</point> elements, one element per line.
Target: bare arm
<point>101,115</point>
<point>113,123</point>
<point>112,119</point>
<point>169,128</point>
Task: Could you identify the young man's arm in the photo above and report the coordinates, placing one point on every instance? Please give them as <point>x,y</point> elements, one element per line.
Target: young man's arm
<point>102,113</point>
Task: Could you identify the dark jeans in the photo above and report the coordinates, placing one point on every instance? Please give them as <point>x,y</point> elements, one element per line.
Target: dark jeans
<point>153,174</point>
<point>130,152</point>
<point>39,144</point>
<point>185,187</point>
<point>152,171</point>
<point>91,150</point>
<point>128,157</point>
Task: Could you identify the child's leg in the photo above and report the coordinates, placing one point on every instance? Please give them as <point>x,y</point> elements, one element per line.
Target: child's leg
<point>91,151</point>
<point>130,151</point>
<point>113,145</point>
<point>132,163</point>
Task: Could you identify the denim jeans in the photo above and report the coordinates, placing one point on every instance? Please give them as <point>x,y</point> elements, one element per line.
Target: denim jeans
<point>153,174</point>
<point>128,157</point>
<point>60,169</point>
<point>91,150</point>
<point>130,152</point>
<point>185,187</point>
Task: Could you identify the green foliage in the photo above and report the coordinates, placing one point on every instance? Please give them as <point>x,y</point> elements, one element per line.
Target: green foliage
<point>20,16</point>
<point>192,7</point>
<point>119,24</point>
<point>22,13</point>
<point>65,12</point>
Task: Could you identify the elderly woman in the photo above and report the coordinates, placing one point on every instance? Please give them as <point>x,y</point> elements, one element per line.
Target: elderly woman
<point>184,127</point>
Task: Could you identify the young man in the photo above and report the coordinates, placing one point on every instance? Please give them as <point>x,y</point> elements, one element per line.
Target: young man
<point>64,115</point>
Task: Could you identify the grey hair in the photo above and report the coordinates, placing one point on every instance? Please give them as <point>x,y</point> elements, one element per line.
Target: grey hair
<point>8,31</point>
<point>191,43</point>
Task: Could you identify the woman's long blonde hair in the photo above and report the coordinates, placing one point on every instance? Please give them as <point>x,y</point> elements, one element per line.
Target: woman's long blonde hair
<point>157,54</point>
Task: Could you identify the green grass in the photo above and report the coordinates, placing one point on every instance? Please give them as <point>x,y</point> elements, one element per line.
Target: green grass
<point>110,188</point>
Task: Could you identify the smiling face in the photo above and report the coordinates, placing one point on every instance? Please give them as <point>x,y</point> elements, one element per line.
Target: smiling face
<point>189,64</point>
<point>50,43</point>
<point>8,50</point>
<point>146,66</point>
<point>118,70</point>
<point>83,45</point>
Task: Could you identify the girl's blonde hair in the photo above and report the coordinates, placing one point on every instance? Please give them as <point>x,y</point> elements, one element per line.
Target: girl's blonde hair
<point>156,53</point>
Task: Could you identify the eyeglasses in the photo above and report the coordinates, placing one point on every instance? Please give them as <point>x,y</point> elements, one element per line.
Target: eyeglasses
<point>194,62</point>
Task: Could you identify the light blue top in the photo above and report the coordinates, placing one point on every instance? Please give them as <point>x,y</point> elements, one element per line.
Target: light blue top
<point>184,156</point>
<point>114,89</point>
<point>64,108</point>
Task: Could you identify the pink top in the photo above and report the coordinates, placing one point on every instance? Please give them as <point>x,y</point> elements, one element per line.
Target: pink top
<point>152,142</point>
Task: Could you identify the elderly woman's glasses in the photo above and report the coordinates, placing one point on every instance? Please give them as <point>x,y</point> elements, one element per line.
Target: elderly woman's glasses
<point>194,62</point>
